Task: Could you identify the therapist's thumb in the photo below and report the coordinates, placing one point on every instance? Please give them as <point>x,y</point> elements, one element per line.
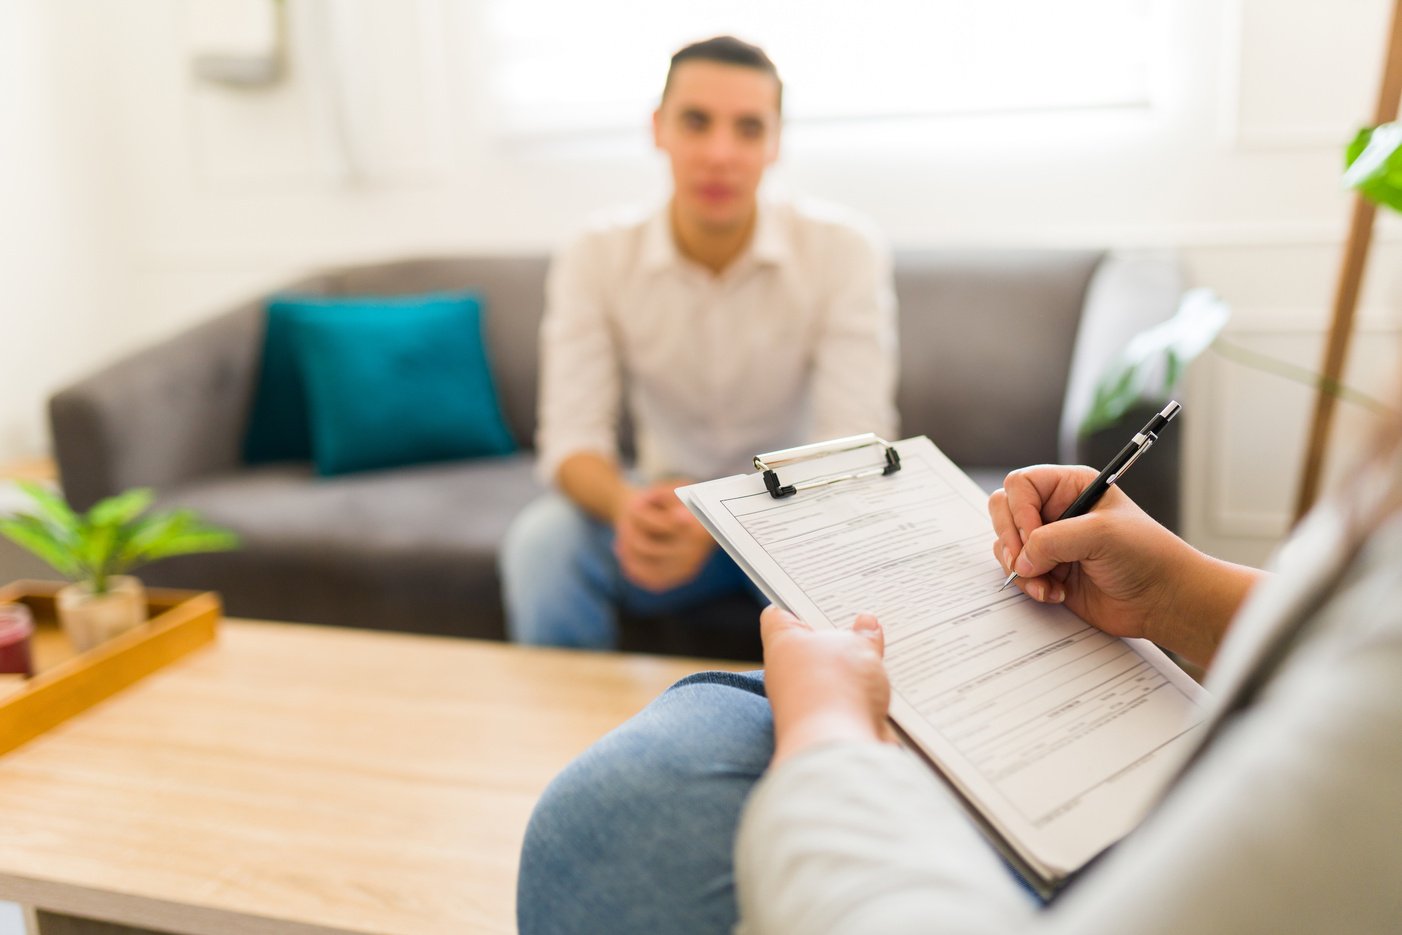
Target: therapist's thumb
<point>776,620</point>
<point>868,626</point>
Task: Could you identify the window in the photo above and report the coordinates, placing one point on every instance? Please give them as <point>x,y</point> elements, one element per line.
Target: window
<point>563,68</point>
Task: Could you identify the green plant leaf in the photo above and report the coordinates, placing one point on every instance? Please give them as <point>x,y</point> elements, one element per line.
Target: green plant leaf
<point>1112,400</point>
<point>33,534</point>
<point>1374,164</point>
<point>52,507</point>
<point>203,539</point>
<point>152,530</point>
<point>177,532</point>
<point>1154,360</point>
<point>96,553</point>
<point>1172,369</point>
<point>123,508</point>
<point>111,538</point>
<point>1357,145</point>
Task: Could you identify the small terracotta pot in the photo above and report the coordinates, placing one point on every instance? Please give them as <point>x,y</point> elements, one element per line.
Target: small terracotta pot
<point>90,619</point>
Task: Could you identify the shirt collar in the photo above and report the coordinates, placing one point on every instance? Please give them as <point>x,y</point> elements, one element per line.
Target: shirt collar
<point>659,249</point>
<point>768,246</point>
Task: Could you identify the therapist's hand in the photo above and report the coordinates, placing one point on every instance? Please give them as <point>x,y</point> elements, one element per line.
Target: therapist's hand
<point>659,544</point>
<point>1115,567</point>
<point>825,686</point>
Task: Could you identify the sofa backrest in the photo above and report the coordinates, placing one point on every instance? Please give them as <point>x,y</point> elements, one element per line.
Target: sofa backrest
<point>986,338</point>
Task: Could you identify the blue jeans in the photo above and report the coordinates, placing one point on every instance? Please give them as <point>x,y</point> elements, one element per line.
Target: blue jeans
<point>562,585</point>
<point>636,835</point>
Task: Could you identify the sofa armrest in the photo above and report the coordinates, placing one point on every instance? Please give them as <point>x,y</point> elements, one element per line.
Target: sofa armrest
<point>168,412</point>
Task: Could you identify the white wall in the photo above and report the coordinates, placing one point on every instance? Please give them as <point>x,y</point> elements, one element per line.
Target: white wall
<point>161,198</point>
<point>62,295</point>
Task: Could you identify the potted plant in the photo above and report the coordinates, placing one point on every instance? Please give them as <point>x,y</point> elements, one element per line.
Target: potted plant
<point>96,549</point>
<point>1149,367</point>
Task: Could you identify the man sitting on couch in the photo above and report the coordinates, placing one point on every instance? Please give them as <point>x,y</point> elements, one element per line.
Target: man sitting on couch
<point>733,325</point>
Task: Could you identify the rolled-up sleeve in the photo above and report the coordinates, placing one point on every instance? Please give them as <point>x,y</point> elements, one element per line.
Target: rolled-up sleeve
<point>854,380</point>
<point>579,382</point>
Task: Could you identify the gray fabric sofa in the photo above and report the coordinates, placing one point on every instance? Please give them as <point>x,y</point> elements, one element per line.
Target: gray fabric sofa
<point>1000,350</point>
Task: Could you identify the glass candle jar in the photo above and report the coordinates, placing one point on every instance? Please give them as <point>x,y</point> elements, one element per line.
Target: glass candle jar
<point>16,626</point>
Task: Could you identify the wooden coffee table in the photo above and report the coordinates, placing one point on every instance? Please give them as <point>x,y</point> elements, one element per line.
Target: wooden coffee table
<point>298,779</point>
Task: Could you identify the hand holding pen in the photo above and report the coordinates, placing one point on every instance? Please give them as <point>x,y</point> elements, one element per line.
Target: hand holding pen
<point>1127,456</point>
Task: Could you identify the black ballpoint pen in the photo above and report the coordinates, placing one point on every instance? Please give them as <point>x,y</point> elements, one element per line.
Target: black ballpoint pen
<point>1115,469</point>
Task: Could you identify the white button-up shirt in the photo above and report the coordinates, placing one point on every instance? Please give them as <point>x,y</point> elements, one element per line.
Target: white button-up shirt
<point>795,341</point>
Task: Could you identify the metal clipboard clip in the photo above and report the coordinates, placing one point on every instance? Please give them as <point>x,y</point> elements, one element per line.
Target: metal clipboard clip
<point>776,459</point>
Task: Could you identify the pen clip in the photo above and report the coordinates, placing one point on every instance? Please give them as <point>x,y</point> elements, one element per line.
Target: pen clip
<point>1149,440</point>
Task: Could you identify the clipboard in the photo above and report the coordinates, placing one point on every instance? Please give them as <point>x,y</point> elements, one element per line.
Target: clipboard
<point>1007,699</point>
<point>771,461</point>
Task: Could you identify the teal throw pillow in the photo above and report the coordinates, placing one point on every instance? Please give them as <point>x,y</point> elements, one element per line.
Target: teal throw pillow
<point>385,381</point>
<point>278,429</point>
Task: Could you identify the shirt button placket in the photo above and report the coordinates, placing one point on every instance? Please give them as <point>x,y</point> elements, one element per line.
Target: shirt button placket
<point>715,403</point>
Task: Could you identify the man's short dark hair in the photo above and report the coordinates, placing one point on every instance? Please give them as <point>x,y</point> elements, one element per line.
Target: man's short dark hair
<point>726,50</point>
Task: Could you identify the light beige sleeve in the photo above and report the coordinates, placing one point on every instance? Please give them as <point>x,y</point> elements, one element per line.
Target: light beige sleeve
<point>1289,823</point>
<point>580,385</point>
<point>858,838</point>
<point>854,376</point>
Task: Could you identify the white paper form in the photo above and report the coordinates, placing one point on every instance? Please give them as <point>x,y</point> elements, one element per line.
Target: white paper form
<point>1060,735</point>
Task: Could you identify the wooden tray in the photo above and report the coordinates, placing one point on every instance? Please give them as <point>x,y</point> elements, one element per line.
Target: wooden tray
<point>67,682</point>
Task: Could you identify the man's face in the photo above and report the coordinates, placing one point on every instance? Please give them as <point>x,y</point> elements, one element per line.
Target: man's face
<point>719,126</point>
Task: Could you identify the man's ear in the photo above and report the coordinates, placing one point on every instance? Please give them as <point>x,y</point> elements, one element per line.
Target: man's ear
<point>657,127</point>
<point>774,146</point>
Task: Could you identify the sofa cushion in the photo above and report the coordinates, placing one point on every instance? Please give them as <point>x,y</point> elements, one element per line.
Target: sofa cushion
<point>396,381</point>
<point>412,549</point>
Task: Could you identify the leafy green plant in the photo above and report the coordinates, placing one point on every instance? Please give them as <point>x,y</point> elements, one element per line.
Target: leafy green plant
<point>1152,363</point>
<point>110,539</point>
<point>1374,164</point>
<point>1154,360</point>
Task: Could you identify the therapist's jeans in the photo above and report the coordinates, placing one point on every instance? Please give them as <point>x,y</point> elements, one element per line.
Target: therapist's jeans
<point>562,585</point>
<point>636,835</point>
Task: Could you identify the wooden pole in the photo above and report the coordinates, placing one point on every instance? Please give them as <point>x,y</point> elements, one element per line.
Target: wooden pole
<point>1360,236</point>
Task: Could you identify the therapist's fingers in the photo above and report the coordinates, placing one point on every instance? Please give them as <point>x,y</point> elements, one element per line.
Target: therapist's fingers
<point>1038,495</point>
<point>1063,543</point>
<point>1029,492</point>
<point>1008,543</point>
<point>1040,588</point>
<point>1018,507</point>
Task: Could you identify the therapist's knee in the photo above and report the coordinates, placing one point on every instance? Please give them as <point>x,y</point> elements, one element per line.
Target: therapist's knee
<point>650,807</point>
<point>711,734</point>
